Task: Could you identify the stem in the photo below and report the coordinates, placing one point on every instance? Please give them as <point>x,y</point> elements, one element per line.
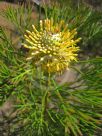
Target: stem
<point>45,99</point>
<point>44,103</point>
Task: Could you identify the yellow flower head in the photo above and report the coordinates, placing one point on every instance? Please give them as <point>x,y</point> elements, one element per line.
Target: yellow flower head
<point>52,46</point>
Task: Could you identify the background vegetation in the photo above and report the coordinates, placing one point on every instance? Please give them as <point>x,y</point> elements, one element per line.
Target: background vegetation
<point>41,106</point>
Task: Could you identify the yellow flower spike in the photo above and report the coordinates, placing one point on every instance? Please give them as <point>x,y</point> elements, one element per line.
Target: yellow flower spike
<point>41,25</point>
<point>35,30</point>
<point>45,24</point>
<point>34,53</point>
<point>65,28</point>
<point>48,25</point>
<point>29,47</point>
<point>60,25</point>
<point>29,41</point>
<point>51,23</point>
<point>29,58</point>
<point>57,29</point>
<point>32,38</point>
<point>28,32</point>
<point>53,46</point>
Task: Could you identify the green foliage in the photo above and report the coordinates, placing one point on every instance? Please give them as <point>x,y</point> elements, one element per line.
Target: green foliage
<point>20,17</point>
<point>44,107</point>
<point>9,58</point>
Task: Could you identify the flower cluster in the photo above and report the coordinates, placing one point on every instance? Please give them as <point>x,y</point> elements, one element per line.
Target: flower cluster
<point>52,45</point>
